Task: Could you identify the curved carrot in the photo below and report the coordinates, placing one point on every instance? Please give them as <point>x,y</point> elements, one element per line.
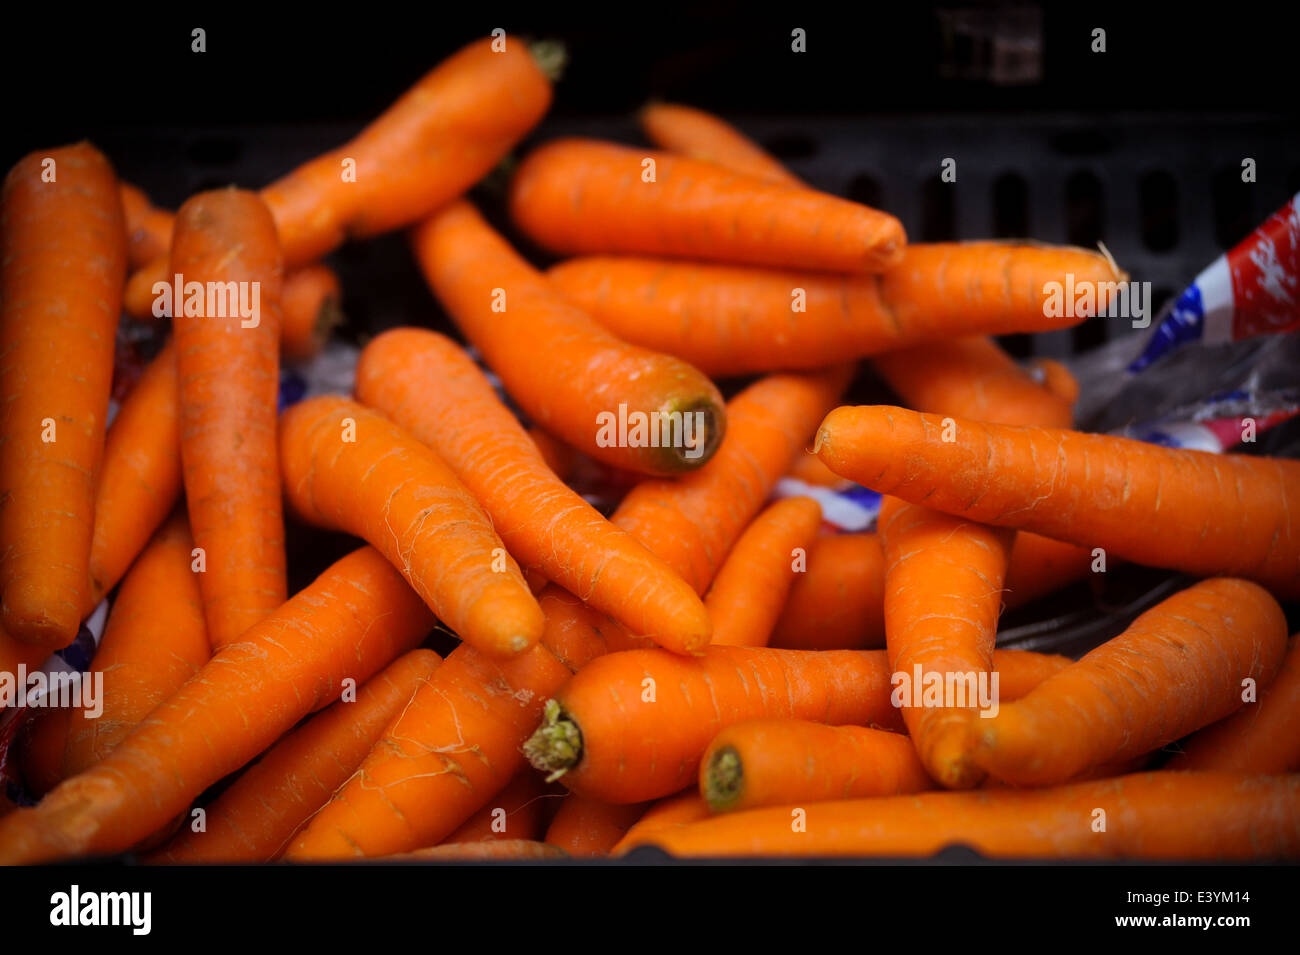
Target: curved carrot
<point>311,305</point>
<point>1194,511</point>
<point>348,467</point>
<point>619,403</point>
<point>586,828</point>
<point>62,262</point>
<point>582,196</point>
<point>227,366</point>
<point>491,850</point>
<point>543,523</point>
<point>1261,737</point>
<point>750,588</point>
<point>259,813</point>
<point>699,135</point>
<point>348,624</point>
<point>517,812</point>
<point>1160,815</point>
<point>1178,667</point>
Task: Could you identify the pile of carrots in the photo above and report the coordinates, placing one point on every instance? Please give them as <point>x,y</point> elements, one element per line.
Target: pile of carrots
<point>705,669</point>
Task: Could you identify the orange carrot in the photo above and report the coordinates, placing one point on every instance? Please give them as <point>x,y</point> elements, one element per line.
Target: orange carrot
<point>582,196</point>
<point>747,595</point>
<point>632,726</point>
<point>809,468</point>
<point>700,135</point>
<point>227,365</point>
<point>1175,816</point>
<point>311,304</point>
<point>1178,667</point>
<point>1194,511</point>
<point>148,228</point>
<point>838,602</point>
<point>728,320</point>
<point>618,403</point>
<point>356,617</point>
<point>561,458</point>
<point>586,828</point>
<point>348,467</point>
<point>679,810</point>
<point>543,523</point>
<point>516,812</point>
<point>1040,566</point>
<point>1261,737</point>
<point>255,818</point>
<point>62,262</point>
<point>491,850</point>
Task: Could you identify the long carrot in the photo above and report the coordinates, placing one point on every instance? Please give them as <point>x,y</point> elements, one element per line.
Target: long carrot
<point>517,812</point>
<point>587,828</point>
<point>542,522</point>
<point>632,726</point>
<point>1194,511</point>
<point>490,850</point>
<point>227,365</point>
<point>1178,667</point>
<point>1261,737</point>
<point>747,595</point>
<point>700,135</point>
<point>619,403</point>
<point>62,262</point>
<point>1161,815</point>
<point>348,467</point>
<point>583,196</point>
<point>728,320</point>
<point>435,141</point>
<point>259,813</point>
<point>349,623</point>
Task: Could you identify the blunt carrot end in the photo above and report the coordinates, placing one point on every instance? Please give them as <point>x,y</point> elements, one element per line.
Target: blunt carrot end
<point>703,439</point>
<point>723,779</point>
<point>556,746</point>
<point>551,58</point>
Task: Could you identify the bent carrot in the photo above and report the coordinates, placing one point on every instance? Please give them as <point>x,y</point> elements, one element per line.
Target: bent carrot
<point>62,263</point>
<point>311,304</point>
<point>1148,816</point>
<point>750,589</point>
<point>700,135</point>
<point>253,819</point>
<point>542,522</point>
<point>582,196</point>
<point>1178,667</point>
<point>1193,511</point>
<point>586,828</point>
<point>227,366</point>
<point>516,812</point>
<point>351,621</point>
<point>491,850</point>
<point>1261,737</point>
<point>622,404</point>
<point>349,468</point>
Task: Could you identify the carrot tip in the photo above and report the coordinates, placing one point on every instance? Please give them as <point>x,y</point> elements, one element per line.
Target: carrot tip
<point>556,746</point>
<point>723,779</point>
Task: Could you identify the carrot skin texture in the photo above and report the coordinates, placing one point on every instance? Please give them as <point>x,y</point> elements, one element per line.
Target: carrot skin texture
<point>1202,513</point>
<point>585,196</point>
<point>62,266</point>
<point>349,623</point>
<point>698,135</point>
<point>348,467</point>
<point>586,828</point>
<point>1177,668</point>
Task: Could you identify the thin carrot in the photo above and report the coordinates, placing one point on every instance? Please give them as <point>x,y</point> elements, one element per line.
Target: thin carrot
<point>838,602</point>
<point>349,623</point>
<point>62,262</point>
<point>256,817</point>
<point>542,522</point>
<point>311,304</point>
<point>586,828</point>
<point>1147,816</point>
<point>728,320</point>
<point>1178,667</point>
<point>700,135</point>
<point>618,403</point>
<point>583,196</point>
<point>349,468</point>
<point>227,366</point>
<point>491,850</point>
<point>516,812</point>
<point>1194,511</point>
<point>1261,737</point>
<point>747,595</point>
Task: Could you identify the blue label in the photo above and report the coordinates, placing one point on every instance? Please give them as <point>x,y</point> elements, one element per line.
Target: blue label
<point>1184,323</point>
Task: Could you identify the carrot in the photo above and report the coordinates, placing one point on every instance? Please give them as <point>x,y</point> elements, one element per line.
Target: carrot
<point>587,828</point>
<point>1040,566</point>
<point>976,379</point>
<point>1193,511</point>
<point>492,850</point>
<point>838,602</point>
<point>148,228</point>
<point>679,810</point>
<point>349,468</point>
<point>1178,667</point>
<point>311,304</point>
<point>62,261</point>
<point>618,403</point>
<point>227,365</point>
<point>582,196</point>
<point>255,818</point>
<point>561,458</point>
<point>440,137</point>
<point>809,468</point>
<point>700,135</point>
<point>1261,737</point>
<point>728,320</point>
<point>349,623</point>
<point>632,726</point>
<point>747,595</point>
<point>516,812</point>
<point>943,593</point>
<point>1147,816</point>
<point>542,522</point>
